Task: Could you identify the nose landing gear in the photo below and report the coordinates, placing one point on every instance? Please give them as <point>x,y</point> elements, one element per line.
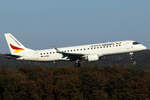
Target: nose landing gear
<point>131,54</point>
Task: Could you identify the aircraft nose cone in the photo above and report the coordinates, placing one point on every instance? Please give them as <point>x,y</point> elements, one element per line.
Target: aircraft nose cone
<point>145,48</point>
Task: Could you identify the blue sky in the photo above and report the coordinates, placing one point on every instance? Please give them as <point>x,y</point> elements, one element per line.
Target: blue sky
<point>41,24</point>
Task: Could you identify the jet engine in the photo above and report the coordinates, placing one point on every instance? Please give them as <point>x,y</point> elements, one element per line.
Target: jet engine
<point>93,57</point>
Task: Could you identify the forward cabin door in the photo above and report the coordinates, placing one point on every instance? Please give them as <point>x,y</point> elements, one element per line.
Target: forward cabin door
<point>129,46</point>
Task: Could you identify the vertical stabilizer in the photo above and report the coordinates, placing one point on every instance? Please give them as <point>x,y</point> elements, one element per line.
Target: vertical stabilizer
<point>15,47</point>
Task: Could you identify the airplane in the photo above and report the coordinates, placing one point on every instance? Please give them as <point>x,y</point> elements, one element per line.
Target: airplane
<point>91,52</point>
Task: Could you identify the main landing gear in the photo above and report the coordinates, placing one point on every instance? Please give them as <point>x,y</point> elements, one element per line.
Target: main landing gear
<point>77,63</point>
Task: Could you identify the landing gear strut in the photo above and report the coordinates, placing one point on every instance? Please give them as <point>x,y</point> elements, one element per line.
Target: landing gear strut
<point>131,54</point>
<point>77,63</point>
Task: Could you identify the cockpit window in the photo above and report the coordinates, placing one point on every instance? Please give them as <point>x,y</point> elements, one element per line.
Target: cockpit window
<point>135,43</point>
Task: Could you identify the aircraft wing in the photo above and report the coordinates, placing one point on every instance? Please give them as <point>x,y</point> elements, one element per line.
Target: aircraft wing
<point>70,56</point>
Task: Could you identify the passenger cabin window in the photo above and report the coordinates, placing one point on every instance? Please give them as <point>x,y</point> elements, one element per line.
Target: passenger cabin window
<point>135,43</point>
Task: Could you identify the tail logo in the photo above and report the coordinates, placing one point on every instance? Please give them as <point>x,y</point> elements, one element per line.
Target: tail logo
<point>17,49</point>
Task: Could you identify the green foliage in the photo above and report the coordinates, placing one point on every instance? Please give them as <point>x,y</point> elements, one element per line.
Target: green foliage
<point>70,83</point>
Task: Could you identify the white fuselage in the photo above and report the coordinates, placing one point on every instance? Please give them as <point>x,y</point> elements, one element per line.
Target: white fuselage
<point>92,49</point>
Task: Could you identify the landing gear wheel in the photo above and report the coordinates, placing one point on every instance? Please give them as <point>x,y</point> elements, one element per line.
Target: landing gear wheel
<point>77,63</point>
<point>131,54</point>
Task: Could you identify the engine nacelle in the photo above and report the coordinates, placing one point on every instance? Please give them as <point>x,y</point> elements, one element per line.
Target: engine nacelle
<point>93,57</point>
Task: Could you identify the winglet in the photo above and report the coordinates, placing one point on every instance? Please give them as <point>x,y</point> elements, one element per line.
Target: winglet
<point>57,50</point>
